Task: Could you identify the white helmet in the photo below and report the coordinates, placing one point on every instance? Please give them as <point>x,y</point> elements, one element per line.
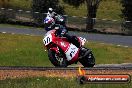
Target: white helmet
<point>50,10</point>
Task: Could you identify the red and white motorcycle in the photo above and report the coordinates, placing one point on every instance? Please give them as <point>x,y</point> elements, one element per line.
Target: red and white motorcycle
<point>62,53</point>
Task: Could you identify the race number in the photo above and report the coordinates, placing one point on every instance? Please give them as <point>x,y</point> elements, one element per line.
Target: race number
<point>70,54</point>
<point>47,39</point>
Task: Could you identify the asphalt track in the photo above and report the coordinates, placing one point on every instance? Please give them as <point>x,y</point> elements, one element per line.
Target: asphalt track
<point>119,40</point>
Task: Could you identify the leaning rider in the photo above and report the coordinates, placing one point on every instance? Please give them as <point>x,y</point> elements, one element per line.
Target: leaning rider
<point>54,20</point>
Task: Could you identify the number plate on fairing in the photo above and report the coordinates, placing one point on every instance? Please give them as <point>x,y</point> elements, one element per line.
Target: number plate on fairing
<point>47,39</point>
<point>72,51</point>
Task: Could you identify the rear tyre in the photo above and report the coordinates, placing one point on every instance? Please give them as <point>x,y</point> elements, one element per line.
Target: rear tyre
<point>57,60</point>
<point>88,60</point>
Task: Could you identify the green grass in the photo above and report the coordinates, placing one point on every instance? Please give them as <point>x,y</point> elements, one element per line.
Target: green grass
<point>110,9</point>
<point>23,50</point>
<point>21,4</point>
<point>111,54</point>
<point>44,82</point>
<point>17,4</point>
<point>19,50</point>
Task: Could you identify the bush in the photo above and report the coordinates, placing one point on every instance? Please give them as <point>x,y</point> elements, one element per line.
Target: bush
<point>3,18</point>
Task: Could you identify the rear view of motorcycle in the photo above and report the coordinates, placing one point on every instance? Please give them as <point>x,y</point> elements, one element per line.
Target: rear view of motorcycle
<point>62,53</point>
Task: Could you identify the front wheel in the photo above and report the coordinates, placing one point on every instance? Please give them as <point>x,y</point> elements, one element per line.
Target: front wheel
<point>88,60</point>
<point>58,60</point>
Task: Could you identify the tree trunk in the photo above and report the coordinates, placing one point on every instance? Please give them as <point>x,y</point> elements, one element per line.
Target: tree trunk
<point>92,6</point>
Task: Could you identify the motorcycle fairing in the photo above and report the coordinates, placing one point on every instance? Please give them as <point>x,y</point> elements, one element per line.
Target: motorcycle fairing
<point>70,50</point>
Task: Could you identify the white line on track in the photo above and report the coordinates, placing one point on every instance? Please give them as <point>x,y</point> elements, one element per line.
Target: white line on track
<point>12,33</point>
<point>27,34</point>
<point>118,45</point>
<point>126,46</point>
<point>102,43</point>
<point>3,32</point>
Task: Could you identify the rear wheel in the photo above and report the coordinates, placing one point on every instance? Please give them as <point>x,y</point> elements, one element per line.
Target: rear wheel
<point>58,60</point>
<point>88,60</point>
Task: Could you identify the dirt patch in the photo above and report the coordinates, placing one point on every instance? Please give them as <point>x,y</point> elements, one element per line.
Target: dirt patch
<point>13,74</point>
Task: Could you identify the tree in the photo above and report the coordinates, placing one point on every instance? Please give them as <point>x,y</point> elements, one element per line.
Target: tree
<point>4,3</point>
<point>127,9</point>
<point>92,6</point>
<point>3,16</point>
<point>127,13</point>
<point>41,6</point>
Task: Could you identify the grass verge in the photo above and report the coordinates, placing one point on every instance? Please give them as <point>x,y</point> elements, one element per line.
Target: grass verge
<point>25,50</point>
<point>54,83</point>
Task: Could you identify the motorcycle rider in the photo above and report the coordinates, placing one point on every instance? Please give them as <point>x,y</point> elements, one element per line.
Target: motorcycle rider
<point>51,13</point>
<point>58,18</point>
<point>53,21</point>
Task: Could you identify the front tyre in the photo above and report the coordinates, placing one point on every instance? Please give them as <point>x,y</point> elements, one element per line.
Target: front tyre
<point>57,60</point>
<point>88,60</point>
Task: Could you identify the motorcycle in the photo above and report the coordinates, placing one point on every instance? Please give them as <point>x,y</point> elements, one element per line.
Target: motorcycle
<point>62,53</point>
